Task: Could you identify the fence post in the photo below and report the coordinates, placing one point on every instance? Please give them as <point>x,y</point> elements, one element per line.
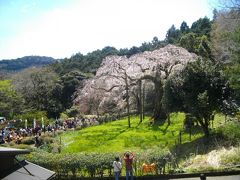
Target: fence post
<point>180,137</point>
<point>202,177</point>
<point>60,148</point>
<point>190,133</point>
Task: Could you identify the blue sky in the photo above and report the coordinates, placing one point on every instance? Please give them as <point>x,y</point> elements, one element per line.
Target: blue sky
<point>61,28</point>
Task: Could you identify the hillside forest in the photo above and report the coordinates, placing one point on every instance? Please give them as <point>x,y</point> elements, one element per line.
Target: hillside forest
<point>195,70</point>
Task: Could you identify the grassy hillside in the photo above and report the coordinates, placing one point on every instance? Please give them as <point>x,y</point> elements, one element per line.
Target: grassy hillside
<point>117,137</point>
<point>93,149</point>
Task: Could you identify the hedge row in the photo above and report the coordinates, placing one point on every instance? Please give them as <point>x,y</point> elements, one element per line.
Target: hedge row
<point>97,164</point>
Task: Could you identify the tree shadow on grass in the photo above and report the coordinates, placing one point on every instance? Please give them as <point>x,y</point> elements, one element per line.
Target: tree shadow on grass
<point>194,130</point>
<point>117,134</point>
<point>199,146</point>
<point>156,126</point>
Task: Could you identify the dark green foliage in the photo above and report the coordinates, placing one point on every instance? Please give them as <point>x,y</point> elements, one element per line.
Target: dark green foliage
<point>123,52</point>
<point>10,100</point>
<point>28,140</point>
<point>173,35</point>
<point>24,62</point>
<point>70,82</point>
<point>41,90</point>
<point>145,47</point>
<point>172,98</point>
<point>204,48</point>
<point>230,131</point>
<point>133,50</point>
<point>200,90</point>
<point>184,27</point>
<point>204,89</point>
<point>190,42</point>
<point>108,50</point>
<point>197,44</point>
<point>202,27</point>
<point>89,165</point>
<point>195,39</point>
<point>153,45</point>
<point>87,64</point>
<point>30,116</point>
<point>72,112</point>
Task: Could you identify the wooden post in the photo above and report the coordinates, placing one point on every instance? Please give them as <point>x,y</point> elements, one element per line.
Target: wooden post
<point>140,101</point>
<point>143,101</point>
<point>168,119</point>
<point>60,148</point>
<point>202,176</point>
<point>180,137</point>
<point>190,133</point>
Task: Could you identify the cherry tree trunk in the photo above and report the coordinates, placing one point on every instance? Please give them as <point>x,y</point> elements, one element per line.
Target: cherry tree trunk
<point>159,114</point>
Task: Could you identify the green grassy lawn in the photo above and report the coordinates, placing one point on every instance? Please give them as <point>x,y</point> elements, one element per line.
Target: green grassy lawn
<point>117,137</point>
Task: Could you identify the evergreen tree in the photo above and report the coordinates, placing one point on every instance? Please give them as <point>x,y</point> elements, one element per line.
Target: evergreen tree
<point>184,27</point>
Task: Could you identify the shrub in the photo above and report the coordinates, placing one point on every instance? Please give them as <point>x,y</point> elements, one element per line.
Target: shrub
<point>78,128</point>
<point>200,169</point>
<point>94,164</point>
<point>156,156</point>
<point>230,131</point>
<point>55,148</point>
<point>231,157</point>
<point>28,140</point>
<point>44,139</point>
<point>22,146</point>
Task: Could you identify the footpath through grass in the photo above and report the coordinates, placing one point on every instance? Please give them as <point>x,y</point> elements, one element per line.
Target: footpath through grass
<point>117,137</point>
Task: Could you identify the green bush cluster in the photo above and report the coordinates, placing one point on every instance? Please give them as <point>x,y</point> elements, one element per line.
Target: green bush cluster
<point>74,164</point>
<point>230,131</point>
<point>95,164</point>
<point>28,140</point>
<point>160,158</point>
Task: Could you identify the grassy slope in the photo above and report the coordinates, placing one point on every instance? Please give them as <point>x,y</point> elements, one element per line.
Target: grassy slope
<point>117,137</point>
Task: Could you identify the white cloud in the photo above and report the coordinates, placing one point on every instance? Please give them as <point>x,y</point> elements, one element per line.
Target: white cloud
<point>91,24</point>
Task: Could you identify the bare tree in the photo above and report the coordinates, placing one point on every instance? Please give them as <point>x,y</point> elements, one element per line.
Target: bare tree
<point>230,5</point>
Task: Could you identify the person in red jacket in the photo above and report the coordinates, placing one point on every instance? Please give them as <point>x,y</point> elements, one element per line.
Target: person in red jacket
<point>128,158</point>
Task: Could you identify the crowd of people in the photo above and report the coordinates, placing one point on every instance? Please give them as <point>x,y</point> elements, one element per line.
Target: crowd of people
<point>9,133</point>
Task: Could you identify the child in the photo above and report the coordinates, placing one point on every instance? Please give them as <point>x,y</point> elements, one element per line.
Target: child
<point>117,166</point>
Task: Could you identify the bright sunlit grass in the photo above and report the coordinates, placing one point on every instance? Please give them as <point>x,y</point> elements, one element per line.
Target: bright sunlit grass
<point>117,137</point>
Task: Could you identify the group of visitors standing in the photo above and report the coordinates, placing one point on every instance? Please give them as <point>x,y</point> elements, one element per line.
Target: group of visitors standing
<point>117,165</point>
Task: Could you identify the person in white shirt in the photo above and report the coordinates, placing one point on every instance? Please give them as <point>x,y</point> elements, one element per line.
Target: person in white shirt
<point>117,166</point>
